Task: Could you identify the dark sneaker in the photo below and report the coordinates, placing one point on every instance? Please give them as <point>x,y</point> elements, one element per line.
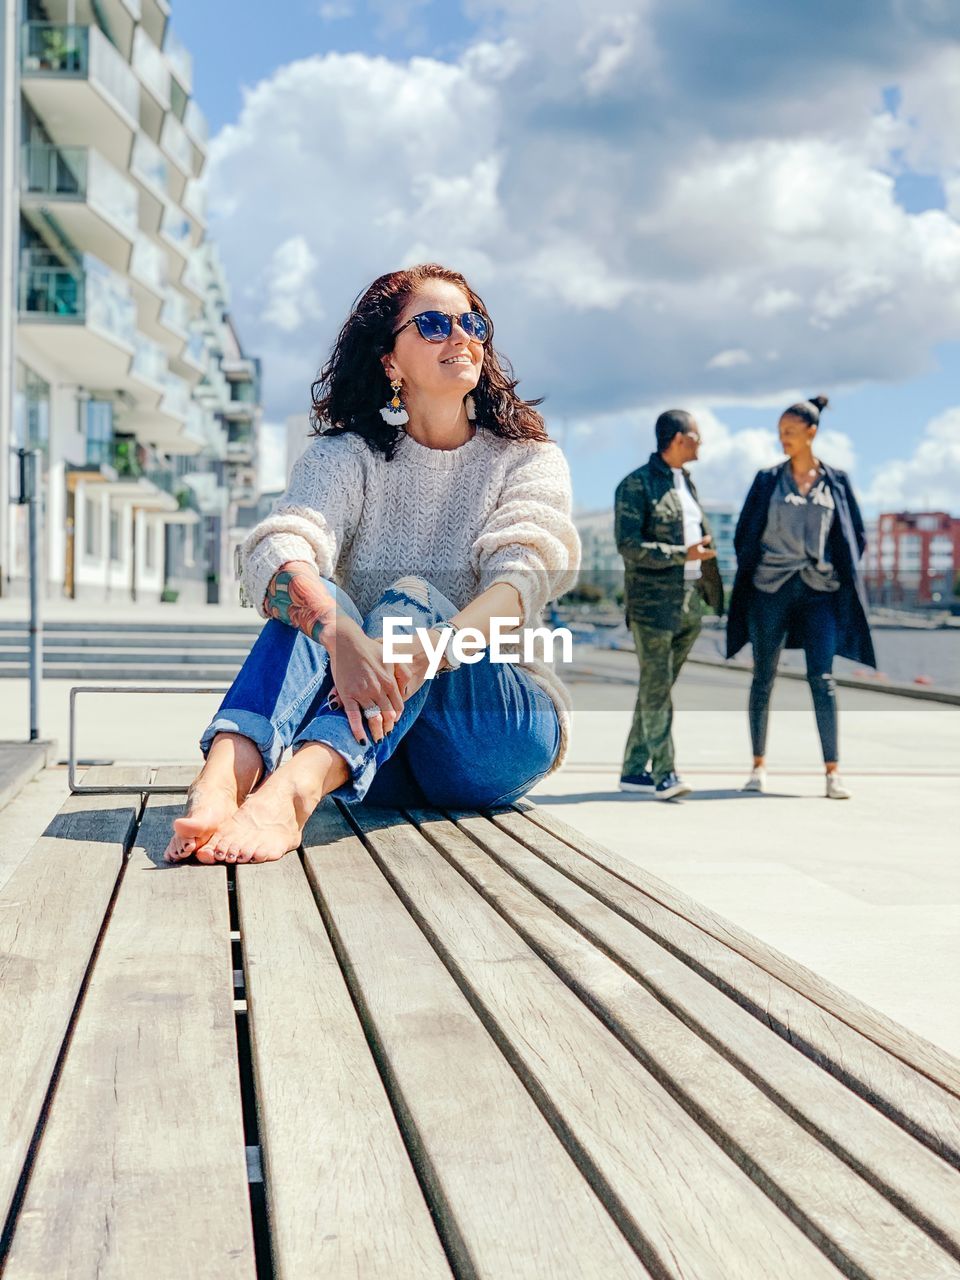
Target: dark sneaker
<point>642,783</point>
<point>670,787</point>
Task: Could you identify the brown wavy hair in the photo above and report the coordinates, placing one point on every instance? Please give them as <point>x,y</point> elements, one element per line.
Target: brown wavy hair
<point>352,387</point>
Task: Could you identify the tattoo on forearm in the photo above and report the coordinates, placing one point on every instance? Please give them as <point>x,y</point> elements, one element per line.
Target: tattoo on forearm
<point>290,600</point>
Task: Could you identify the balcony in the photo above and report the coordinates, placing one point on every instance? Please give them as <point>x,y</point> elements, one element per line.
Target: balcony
<point>148,278</point>
<point>195,205</point>
<point>240,369</point>
<point>95,204</point>
<point>175,232</point>
<point>155,15</point>
<point>84,315</point>
<point>179,58</point>
<point>154,74</point>
<point>148,373</point>
<point>149,167</point>
<point>195,123</point>
<point>116,18</point>
<point>176,146</point>
<point>81,87</point>
<point>193,281</point>
<point>191,363</point>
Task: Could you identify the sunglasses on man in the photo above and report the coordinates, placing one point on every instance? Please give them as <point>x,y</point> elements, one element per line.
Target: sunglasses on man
<point>437,326</point>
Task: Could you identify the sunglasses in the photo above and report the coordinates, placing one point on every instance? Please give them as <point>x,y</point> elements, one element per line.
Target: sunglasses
<point>436,326</point>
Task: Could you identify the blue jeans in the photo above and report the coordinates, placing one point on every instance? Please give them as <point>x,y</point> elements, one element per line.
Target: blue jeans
<point>476,737</point>
<point>812,615</point>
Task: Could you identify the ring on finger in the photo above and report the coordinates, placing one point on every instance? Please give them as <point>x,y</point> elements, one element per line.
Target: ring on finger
<point>371,713</point>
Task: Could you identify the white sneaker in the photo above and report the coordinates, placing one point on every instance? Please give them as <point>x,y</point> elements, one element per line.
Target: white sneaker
<point>757,782</point>
<point>835,788</point>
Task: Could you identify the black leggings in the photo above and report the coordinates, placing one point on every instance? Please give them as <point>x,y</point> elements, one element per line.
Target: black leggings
<point>813,615</point>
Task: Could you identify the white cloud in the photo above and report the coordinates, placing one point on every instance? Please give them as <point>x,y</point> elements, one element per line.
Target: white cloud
<point>637,227</point>
<point>928,479</point>
<point>289,286</point>
<point>335,10</point>
<point>729,359</point>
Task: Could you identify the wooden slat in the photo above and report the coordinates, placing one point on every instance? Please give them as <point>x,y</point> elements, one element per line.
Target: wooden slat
<point>52,909</point>
<point>918,1053</point>
<point>688,1206</point>
<point>141,1170</point>
<point>24,820</point>
<point>790,1163</point>
<point>342,1194</point>
<point>910,1098</point>
<point>509,1202</point>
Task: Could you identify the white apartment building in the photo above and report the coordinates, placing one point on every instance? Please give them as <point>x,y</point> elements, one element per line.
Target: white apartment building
<point>123,365</point>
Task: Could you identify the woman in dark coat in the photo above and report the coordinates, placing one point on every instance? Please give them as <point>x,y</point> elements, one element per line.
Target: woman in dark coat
<point>799,542</point>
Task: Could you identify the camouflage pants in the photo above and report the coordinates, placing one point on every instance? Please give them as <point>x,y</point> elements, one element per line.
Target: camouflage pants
<point>661,655</point>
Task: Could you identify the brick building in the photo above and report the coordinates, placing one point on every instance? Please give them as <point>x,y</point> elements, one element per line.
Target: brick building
<point>913,558</point>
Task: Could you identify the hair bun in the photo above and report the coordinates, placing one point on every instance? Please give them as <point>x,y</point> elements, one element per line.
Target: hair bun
<point>820,402</point>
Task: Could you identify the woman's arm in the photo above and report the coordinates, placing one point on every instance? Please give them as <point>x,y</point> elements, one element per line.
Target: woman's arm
<point>299,597</point>
<point>529,540</point>
<point>316,515</point>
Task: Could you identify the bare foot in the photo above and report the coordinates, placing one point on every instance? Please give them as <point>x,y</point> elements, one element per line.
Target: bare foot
<point>209,804</point>
<point>267,825</point>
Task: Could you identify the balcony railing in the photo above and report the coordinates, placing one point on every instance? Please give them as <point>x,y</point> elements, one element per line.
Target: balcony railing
<point>175,314</point>
<point>176,399</point>
<point>150,362</point>
<point>193,277</point>
<point>152,67</point>
<point>148,163</point>
<point>79,173</point>
<point>176,228</point>
<point>179,58</point>
<point>148,264</point>
<point>79,52</point>
<point>244,393</point>
<point>174,140</point>
<point>89,293</point>
<point>195,200</point>
<point>196,349</point>
<point>195,123</point>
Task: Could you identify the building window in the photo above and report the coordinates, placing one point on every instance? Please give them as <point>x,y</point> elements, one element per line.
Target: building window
<point>96,417</point>
<point>31,409</point>
<point>114,535</point>
<point>150,546</point>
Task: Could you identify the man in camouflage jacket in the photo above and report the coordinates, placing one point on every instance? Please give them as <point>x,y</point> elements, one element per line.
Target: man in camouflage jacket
<point>671,571</point>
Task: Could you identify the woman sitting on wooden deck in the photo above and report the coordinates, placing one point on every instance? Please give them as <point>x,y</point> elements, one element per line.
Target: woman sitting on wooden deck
<point>431,493</point>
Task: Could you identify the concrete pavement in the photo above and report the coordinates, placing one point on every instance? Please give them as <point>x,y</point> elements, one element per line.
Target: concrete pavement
<point>866,892</point>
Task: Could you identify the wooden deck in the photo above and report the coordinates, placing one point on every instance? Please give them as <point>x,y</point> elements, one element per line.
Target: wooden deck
<point>432,1046</point>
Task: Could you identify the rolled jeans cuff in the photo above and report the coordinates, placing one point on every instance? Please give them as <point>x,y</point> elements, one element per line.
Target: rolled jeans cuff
<point>252,725</point>
<point>333,731</point>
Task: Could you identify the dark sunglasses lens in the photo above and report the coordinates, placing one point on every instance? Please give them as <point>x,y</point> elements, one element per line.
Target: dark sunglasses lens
<point>475,325</point>
<point>434,326</point>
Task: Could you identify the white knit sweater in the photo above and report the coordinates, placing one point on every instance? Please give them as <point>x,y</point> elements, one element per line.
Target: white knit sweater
<point>493,510</point>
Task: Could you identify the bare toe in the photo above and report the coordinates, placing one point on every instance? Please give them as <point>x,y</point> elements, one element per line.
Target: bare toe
<point>206,856</point>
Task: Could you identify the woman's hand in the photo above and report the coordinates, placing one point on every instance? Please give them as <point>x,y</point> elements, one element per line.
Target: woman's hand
<point>363,679</point>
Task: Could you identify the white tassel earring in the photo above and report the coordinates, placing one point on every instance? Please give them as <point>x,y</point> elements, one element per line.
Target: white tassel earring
<point>471,407</point>
<point>393,411</point>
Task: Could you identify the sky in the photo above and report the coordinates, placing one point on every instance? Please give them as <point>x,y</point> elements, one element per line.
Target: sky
<point>706,204</point>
